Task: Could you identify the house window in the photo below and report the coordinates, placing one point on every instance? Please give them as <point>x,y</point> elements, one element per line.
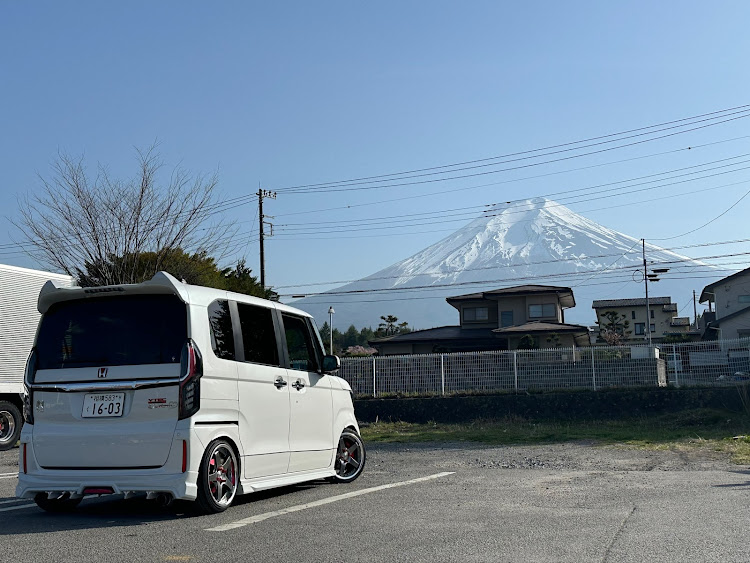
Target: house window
<point>744,299</point>
<point>640,328</point>
<point>652,327</point>
<point>652,313</point>
<point>545,310</point>
<point>477,314</point>
<point>632,314</point>
<point>506,318</point>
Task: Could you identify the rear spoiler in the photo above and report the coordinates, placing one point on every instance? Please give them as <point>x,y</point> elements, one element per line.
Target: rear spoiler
<point>162,283</point>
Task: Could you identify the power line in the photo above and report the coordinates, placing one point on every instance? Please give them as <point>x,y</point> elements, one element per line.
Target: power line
<point>522,205</point>
<point>514,180</point>
<point>523,278</point>
<point>712,220</point>
<point>712,116</point>
<point>387,299</point>
<point>741,109</point>
<point>509,169</point>
<point>653,248</point>
<point>233,202</point>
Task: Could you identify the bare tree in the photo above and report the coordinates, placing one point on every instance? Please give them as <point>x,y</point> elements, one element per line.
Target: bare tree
<point>101,228</point>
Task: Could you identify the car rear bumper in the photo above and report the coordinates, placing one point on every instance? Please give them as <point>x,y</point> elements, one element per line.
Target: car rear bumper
<point>169,478</point>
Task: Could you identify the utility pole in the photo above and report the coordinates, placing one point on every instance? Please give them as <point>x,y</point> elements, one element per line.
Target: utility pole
<point>645,281</point>
<point>653,276</point>
<point>262,219</point>
<point>695,311</point>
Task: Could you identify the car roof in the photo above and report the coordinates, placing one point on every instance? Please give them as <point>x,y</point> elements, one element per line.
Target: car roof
<point>161,284</point>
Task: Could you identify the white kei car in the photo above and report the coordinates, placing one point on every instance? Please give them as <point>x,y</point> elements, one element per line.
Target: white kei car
<point>176,391</point>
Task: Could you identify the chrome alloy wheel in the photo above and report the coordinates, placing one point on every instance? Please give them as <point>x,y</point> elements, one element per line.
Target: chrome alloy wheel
<point>350,456</point>
<point>222,474</point>
<point>7,426</point>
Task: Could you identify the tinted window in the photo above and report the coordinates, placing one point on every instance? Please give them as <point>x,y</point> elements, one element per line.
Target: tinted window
<point>545,310</point>
<point>258,335</point>
<point>222,335</point>
<point>299,344</point>
<point>506,318</point>
<point>112,331</point>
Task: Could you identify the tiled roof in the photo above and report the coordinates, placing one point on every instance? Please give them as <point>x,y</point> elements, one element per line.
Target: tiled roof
<point>637,302</point>
<point>439,333</point>
<point>515,290</point>
<point>542,327</point>
<point>709,289</point>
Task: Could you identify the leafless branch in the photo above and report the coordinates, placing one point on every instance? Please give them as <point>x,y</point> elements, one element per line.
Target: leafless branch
<point>80,224</point>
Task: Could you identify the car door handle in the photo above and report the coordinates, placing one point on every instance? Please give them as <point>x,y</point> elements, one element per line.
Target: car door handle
<point>279,383</point>
<point>298,385</point>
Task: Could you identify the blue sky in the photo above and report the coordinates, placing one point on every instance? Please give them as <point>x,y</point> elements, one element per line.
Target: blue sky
<point>292,93</point>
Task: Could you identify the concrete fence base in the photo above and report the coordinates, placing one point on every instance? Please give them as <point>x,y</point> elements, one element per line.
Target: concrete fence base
<point>583,405</point>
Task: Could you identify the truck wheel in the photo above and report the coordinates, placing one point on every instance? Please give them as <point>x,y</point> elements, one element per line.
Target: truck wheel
<point>10,425</point>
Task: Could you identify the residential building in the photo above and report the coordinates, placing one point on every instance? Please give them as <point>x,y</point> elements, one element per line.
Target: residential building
<point>730,300</point>
<point>501,319</point>
<point>662,318</point>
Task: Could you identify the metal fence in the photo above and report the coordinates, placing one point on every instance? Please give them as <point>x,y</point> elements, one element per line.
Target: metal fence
<point>699,363</point>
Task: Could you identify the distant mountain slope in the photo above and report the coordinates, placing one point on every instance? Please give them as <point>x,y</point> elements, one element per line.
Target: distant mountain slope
<point>538,241</point>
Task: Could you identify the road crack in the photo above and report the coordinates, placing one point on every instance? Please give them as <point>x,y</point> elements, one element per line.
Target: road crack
<point>618,533</point>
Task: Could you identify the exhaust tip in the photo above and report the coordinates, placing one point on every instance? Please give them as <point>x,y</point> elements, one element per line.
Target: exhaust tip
<point>164,499</point>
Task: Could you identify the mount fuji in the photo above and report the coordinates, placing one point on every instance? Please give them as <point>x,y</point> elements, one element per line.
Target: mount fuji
<point>536,241</point>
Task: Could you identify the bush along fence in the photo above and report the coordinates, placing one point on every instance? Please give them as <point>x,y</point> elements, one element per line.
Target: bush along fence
<point>594,368</point>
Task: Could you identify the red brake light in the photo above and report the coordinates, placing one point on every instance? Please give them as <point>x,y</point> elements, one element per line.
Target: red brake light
<point>184,456</point>
<point>191,370</point>
<point>98,491</point>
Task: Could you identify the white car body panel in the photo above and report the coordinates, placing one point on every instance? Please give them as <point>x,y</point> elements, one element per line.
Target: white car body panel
<point>282,435</point>
<point>264,420</point>
<point>311,421</point>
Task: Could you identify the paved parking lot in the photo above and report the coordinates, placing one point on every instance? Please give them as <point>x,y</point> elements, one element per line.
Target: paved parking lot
<point>574,502</point>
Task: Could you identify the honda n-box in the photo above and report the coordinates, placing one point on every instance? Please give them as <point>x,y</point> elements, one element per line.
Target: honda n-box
<point>175,391</point>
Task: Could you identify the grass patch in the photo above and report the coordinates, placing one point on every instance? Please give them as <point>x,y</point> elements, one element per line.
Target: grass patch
<point>708,430</point>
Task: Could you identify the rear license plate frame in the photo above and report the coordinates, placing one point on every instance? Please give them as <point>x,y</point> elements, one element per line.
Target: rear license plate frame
<point>103,405</point>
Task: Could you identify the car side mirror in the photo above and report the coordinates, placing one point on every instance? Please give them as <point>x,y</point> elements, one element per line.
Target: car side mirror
<point>331,363</point>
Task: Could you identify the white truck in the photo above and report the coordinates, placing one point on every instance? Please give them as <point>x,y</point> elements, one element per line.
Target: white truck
<point>19,317</point>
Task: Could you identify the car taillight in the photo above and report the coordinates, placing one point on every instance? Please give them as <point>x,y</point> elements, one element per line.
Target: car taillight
<point>191,370</point>
<point>28,379</point>
<point>184,456</point>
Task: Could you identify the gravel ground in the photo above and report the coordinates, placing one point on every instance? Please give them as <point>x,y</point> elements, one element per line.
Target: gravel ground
<point>578,456</point>
<point>572,456</point>
<point>575,502</point>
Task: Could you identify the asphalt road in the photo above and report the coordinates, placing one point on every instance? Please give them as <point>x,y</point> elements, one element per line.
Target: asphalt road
<point>574,503</point>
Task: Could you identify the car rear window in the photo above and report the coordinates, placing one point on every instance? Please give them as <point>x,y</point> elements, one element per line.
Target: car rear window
<point>112,331</point>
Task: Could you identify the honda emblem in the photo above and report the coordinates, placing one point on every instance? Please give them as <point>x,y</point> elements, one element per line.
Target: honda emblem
<point>102,373</point>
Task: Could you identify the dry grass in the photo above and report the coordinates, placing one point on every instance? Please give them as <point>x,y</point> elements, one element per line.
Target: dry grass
<point>711,431</point>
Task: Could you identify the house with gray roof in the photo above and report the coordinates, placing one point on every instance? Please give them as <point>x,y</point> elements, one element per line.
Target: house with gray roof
<point>501,319</point>
<point>730,300</point>
<point>662,318</point>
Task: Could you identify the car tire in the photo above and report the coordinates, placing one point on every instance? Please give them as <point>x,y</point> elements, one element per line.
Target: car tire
<point>63,503</point>
<point>10,425</point>
<point>218,477</point>
<point>350,457</point>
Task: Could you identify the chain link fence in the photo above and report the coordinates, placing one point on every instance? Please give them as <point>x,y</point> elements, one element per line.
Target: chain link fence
<point>686,364</point>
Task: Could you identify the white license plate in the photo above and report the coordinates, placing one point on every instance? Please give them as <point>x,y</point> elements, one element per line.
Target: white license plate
<point>97,405</point>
